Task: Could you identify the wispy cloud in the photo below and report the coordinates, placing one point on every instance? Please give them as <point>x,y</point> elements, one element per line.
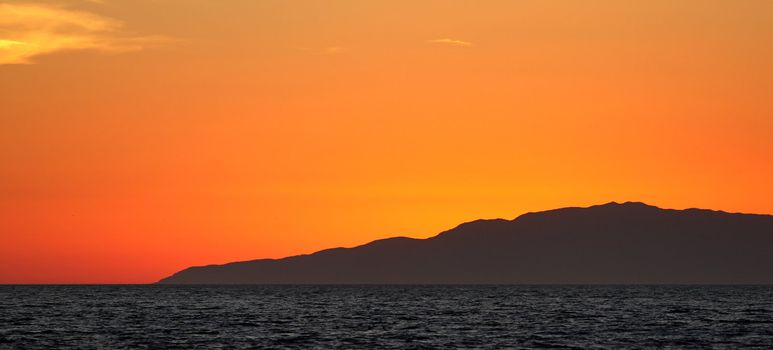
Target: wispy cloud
<point>330,50</point>
<point>31,30</point>
<point>452,42</point>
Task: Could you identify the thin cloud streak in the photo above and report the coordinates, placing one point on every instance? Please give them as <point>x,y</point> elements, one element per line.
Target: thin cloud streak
<point>330,50</point>
<point>452,42</point>
<point>31,30</point>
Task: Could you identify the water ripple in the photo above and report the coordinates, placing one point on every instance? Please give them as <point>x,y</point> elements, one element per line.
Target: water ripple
<point>385,317</point>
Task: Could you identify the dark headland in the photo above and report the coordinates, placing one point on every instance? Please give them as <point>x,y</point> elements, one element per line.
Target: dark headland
<point>628,243</point>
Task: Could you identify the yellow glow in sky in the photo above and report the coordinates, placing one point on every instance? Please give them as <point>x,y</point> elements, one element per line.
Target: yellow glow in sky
<point>140,137</point>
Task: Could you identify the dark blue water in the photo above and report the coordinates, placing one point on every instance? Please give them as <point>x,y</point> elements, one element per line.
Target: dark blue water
<point>368,317</point>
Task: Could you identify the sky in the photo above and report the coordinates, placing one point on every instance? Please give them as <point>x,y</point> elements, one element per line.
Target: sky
<point>140,137</point>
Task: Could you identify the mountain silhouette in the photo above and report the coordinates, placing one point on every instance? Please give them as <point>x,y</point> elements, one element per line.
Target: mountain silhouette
<point>628,243</point>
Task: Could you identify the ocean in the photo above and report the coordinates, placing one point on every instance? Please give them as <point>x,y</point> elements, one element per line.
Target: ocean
<point>385,317</point>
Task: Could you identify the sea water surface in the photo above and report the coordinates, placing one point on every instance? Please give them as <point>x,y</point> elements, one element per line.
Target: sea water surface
<point>384,317</point>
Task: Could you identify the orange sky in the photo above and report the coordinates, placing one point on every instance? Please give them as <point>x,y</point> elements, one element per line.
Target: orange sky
<point>139,137</point>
